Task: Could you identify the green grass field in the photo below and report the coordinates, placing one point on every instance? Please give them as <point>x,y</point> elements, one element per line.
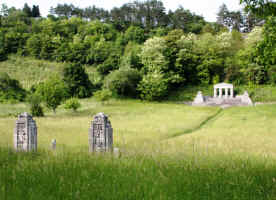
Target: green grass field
<point>168,151</point>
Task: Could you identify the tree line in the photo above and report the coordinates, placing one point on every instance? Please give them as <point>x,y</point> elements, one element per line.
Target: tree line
<point>140,51</point>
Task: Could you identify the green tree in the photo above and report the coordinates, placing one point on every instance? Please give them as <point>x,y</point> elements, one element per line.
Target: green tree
<point>10,89</point>
<point>27,10</point>
<point>35,11</point>
<point>53,92</point>
<point>77,81</point>
<point>153,86</point>
<point>72,104</point>
<point>262,8</point>
<point>3,52</point>
<point>123,81</point>
<point>135,34</point>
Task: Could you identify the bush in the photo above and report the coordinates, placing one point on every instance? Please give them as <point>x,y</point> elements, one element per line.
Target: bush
<point>103,95</point>
<point>10,89</point>
<point>77,81</point>
<point>154,86</point>
<point>36,108</point>
<point>72,104</point>
<point>53,92</point>
<point>123,82</point>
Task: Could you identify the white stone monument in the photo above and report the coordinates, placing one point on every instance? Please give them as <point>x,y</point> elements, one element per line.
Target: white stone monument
<point>226,87</point>
<point>100,134</point>
<point>199,99</point>
<point>25,133</point>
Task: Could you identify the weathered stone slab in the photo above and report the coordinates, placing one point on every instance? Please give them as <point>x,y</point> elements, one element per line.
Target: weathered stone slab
<point>100,134</point>
<point>25,133</point>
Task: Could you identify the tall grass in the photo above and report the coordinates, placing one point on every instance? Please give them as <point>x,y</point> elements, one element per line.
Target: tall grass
<point>46,175</point>
<point>168,151</point>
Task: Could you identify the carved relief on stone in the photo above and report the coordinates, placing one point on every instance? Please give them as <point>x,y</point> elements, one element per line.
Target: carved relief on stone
<point>100,134</point>
<point>25,133</point>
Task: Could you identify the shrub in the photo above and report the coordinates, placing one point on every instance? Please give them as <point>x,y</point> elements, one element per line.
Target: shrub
<point>72,104</point>
<point>53,92</point>
<point>10,89</point>
<point>123,82</point>
<point>103,95</point>
<point>36,108</point>
<point>77,81</point>
<point>154,86</point>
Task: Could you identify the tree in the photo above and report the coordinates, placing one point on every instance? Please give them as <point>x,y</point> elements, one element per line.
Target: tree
<point>35,11</point>
<point>77,81</point>
<point>72,104</point>
<point>123,81</point>
<point>262,8</point>
<point>3,52</point>
<point>10,89</point>
<point>53,92</point>
<point>135,34</point>
<point>27,10</point>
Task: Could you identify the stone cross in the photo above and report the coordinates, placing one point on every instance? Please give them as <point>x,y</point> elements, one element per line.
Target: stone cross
<point>100,134</point>
<point>25,133</point>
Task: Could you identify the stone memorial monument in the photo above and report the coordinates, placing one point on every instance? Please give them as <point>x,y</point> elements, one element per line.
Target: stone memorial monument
<point>199,99</point>
<point>25,133</point>
<point>223,97</point>
<point>100,134</point>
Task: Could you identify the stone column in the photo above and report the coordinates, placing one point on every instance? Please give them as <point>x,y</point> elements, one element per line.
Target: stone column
<point>232,93</point>
<point>226,93</point>
<point>215,92</point>
<point>220,92</point>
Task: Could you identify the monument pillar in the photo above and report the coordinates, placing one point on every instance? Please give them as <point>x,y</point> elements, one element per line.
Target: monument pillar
<point>232,93</point>
<point>100,134</point>
<point>226,93</point>
<point>215,92</point>
<point>25,133</point>
<point>220,92</point>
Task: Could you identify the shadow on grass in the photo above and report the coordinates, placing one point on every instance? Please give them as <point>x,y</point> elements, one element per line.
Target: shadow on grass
<point>200,126</point>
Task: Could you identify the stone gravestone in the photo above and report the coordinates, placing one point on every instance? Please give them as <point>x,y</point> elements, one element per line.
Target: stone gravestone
<point>100,134</point>
<point>25,133</point>
<point>53,144</point>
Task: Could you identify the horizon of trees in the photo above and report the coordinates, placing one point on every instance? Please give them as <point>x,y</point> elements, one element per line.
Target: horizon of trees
<point>139,50</point>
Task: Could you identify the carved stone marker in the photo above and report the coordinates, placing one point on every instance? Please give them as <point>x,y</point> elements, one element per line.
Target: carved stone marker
<point>25,133</point>
<point>100,134</point>
<point>53,144</point>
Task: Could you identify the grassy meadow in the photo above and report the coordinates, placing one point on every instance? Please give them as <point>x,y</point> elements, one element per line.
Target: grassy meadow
<point>167,151</point>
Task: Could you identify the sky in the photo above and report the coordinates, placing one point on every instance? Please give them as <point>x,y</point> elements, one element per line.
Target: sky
<point>206,8</point>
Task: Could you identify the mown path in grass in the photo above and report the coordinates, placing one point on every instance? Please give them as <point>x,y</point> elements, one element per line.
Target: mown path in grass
<point>201,125</point>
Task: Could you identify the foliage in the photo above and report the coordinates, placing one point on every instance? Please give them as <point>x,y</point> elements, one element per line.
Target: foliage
<point>103,95</point>
<point>77,81</point>
<point>36,109</point>
<point>10,89</point>
<point>260,7</point>
<point>123,81</point>
<point>153,86</point>
<point>53,92</point>
<point>3,53</point>
<point>135,34</point>
<point>72,104</point>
